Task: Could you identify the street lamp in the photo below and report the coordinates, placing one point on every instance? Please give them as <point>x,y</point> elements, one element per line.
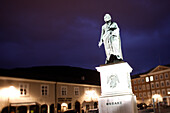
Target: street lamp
<point>10,93</point>
<point>157,98</point>
<point>91,96</point>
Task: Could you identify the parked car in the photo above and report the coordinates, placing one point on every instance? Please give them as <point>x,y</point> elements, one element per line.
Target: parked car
<point>70,111</point>
<point>142,106</point>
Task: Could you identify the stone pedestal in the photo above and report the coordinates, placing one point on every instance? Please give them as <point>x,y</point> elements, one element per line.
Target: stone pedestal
<point>116,91</point>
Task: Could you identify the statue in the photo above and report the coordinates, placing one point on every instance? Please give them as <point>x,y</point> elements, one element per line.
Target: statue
<point>110,37</point>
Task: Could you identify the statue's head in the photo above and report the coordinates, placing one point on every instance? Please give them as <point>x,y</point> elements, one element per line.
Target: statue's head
<point>107,17</point>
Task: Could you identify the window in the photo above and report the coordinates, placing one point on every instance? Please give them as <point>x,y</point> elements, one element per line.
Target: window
<point>153,92</point>
<point>63,90</point>
<point>143,87</point>
<point>167,83</point>
<point>148,87</point>
<point>136,94</point>
<point>24,89</point>
<point>86,91</point>
<point>144,94</point>
<point>134,81</point>
<point>147,79</point>
<point>140,95</point>
<point>161,76</point>
<point>138,81</point>
<point>44,90</point>
<point>69,106</point>
<point>162,84</point>
<point>156,77</point>
<point>166,75</point>
<point>158,92</point>
<point>76,90</point>
<point>135,88</point>
<point>152,85</point>
<point>157,84</point>
<point>140,88</point>
<point>143,80</point>
<point>163,92</point>
<point>168,91</point>
<point>149,94</point>
<point>151,78</point>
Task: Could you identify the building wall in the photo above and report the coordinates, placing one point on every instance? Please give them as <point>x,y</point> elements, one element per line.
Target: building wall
<point>155,82</point>
<point>10,93</point>
<point>88,94</point>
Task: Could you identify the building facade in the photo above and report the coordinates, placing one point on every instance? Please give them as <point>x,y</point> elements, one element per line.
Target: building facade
<point>155,82</point>
<point>26,95</point>
<point>80,97</point>
<point>20,95</point>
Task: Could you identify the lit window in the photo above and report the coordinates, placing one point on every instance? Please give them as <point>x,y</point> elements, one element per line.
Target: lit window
<point>162,84</point>
<point>161,76</point>
<point>44,90</point>
<point>63,90</point>
<point>76,90</point>
<point>147,79</point>
<point>24,89</point>
<point>151,78</point>
<point>166,75</point>
<point>157,84</point>
<point>167,83</point>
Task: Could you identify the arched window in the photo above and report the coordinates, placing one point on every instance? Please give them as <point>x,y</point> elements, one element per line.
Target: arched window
<point>58,107</point>
<point>95,105</point>
<point>69,106</point>
<point>52,108</point>
<point>44,108</point>
<point>22,109</point>
<point>77,106</point>
<point>34,109</point>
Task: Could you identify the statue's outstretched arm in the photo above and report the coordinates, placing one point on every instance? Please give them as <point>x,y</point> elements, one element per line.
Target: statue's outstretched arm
<point>101,38</point>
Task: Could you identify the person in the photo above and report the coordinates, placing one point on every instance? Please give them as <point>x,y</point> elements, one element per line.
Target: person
<point>110,37</point>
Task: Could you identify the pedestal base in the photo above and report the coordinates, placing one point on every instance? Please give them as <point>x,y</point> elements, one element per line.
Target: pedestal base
<point>118,104</point>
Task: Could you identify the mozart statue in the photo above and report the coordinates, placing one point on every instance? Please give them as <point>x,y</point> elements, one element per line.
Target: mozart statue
<point>110,37</point>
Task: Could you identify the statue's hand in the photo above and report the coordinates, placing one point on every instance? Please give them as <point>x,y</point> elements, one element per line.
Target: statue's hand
<point>100,43</point>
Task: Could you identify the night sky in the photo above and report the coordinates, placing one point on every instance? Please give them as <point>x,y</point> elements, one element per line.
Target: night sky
<point>67,32</point>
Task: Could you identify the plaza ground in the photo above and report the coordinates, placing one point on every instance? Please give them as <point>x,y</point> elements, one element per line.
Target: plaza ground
<point>150,110</point>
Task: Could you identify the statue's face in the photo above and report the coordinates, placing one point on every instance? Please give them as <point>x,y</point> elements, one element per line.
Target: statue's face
<point>107,17</point>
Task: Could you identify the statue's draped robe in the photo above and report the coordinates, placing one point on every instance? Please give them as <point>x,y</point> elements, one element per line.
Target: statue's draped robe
<point>111,38</point>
